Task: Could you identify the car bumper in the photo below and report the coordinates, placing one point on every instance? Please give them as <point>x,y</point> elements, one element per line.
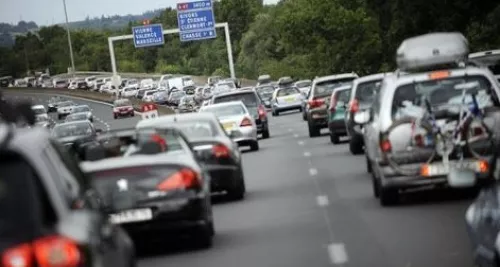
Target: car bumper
<point>173,216</point>
<point>392,179</point>
<point>319,118</point>
<point>286,107</point>
<point>123,113</point>
<point>245,135</point>
<point>223,177</point>
<point>338,127</point>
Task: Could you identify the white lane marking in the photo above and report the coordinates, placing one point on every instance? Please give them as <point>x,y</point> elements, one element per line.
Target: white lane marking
<point>296,135</point>
<point>301,143</point>
<point>313,172</point>
<point>322,200</point>
<point>307,154</point>
<point>337,253</point>
<point>289,129</point>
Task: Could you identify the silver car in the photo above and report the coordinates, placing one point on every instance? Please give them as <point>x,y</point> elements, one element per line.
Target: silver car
<point>285,99</point>
<point>388,140</point>
<point>237,122</point>
<point>64,109</point>
<point>84,109</point>
<point>80,116</point>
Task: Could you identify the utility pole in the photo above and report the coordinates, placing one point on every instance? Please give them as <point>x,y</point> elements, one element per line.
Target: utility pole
<point>69,41</point>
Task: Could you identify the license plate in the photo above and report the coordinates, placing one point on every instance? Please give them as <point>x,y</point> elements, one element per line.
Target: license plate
<point>229,126</point>
<point>290,99</point>
<point>128,216</point>
<point>438,169</point>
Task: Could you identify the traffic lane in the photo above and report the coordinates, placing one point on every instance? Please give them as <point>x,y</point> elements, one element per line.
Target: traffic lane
<point>427,229</point>
<point>277,224</point>
<point>102,111</point>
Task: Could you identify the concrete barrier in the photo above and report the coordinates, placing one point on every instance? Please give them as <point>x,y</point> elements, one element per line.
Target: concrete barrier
<point>95,96</point>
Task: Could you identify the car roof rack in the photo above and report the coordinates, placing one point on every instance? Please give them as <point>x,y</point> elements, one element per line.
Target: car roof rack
<point>433,51</point>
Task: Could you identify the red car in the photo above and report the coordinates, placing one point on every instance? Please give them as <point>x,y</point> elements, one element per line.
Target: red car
<point>123,108</point>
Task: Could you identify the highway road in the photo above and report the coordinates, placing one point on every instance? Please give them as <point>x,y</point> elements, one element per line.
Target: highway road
<point>310,203</point>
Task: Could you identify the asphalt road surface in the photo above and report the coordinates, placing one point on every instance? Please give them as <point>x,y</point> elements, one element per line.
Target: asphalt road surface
<point>310,203</point>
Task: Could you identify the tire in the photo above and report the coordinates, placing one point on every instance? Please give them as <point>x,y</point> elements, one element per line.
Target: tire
<point>277,113</point>
<point>313,131</point>
<point>368,165</point>
<point>265,134</point>
<point>304,115</point>
<point>59,117</point>
<point>375,187</point>
<point>273,113</point>
<point>132,114</point>
<point>115,117</point>
<point>334,138</point>
<point>238,192</point>
<point>204,237</point>
<point>356,144</point>
<point>300,109</point>
<point>388,196</point>
<point>254,146</point>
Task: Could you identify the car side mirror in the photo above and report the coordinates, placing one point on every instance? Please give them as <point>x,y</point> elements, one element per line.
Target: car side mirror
<point>362,117</point>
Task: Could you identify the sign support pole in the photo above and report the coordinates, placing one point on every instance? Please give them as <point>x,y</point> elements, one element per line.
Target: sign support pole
<point>224,25</point>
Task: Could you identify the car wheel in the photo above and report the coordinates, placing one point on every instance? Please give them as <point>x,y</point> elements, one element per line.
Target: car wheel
<point>238,192</point>
<point>375,187</point>
<point>300,109</point>
<point>204,237</point>
<point>388,196</point>
<point>59,117</point>
<point>273,113</point>
<point>368,165</point>
<point>254,146</point>
<point>265,134</point>
<point>115,117</point>
<point>313,131</point>
<point>132,114</point>
<point>304,115</point>
<point>356,144</point>
<point>334,138</point>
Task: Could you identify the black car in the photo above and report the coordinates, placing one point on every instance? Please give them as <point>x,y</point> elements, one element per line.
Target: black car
<point>157,186</point>
<point>76,135</point>
<point>254,104</point>
<point>49,208</point>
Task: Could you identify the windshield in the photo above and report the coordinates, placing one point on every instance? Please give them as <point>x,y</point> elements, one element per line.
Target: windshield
<point>186,100</point>
<point>228,85</point>
<point>122,103</point>
<point>41,119</point>
<point>73,129</point>
<point>177,95</point>
<point>443,93</point>
<point>249,99</point>
<point>326,88</point>
<point>172,140</point>
<point>38,110</point>
<point>77,117</point>
<point>81,109</point>
<point>60,82</point>
<point>226,110</point>
<point>196,129</point>
<point>287,92</point>
<point>366,92</point>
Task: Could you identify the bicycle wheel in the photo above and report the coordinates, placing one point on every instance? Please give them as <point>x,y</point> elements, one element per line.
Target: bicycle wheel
<point>480,136</point>
<point>411,145</point>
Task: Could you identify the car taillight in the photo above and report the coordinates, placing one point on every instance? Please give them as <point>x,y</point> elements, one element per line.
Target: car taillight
<point>385,145</point>
<point>316,103</point>
<point>246,122</point>
<point>182,179</point>
<point>220,151</point>
<point>51,251</point>
<point>262,112</point>
<point>354,106</point>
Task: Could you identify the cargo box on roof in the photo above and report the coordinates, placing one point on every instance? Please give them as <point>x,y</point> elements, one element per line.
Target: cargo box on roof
<point>432,51</point>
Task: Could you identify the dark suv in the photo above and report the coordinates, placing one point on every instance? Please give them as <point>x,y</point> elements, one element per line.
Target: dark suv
<point>254,104</point>
<point>319,98</point>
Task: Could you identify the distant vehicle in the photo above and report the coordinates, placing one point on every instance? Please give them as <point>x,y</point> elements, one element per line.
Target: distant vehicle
<point>263,79</point>
<point>76,136</point>
<point>83,109</point>
<point>123,108</point>
<point>80,116</point>
<point>285,99</point>
<point>213,80</point>
<point>64,108</point>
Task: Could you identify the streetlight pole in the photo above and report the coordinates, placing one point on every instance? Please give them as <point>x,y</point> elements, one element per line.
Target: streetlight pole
<point>69,40</point>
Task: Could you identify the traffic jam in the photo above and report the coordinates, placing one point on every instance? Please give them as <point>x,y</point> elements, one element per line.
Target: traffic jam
<point>430,124</point>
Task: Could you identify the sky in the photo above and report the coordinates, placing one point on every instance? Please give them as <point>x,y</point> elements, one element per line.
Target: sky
<point>47,12</point>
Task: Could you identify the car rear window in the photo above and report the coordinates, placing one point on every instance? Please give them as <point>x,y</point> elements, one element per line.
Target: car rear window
<point>249,99</point>
<point>122,103</point>
<point>366,92</point>
<point>287,92</point>
<point>442,93</point>
<point>226,110</point>
<point>326,88</point>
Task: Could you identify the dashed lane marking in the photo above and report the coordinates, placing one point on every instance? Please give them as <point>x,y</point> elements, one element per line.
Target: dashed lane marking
<point>322,201</point>
<point>337,253</point>
<point>307,154</point>
<point>313,172</point>
<point>289,129</point>
<point>296,135</point>
<point>301,143</point>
